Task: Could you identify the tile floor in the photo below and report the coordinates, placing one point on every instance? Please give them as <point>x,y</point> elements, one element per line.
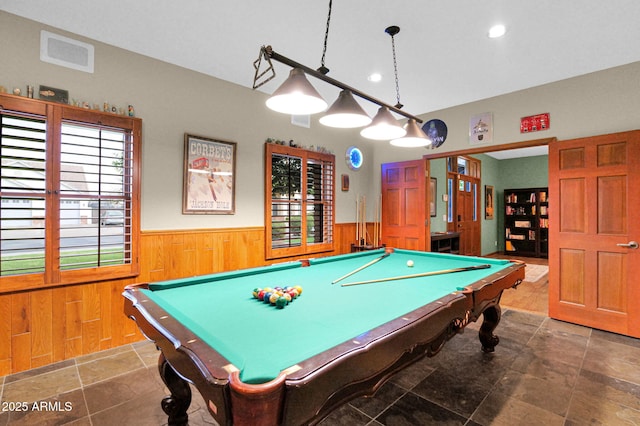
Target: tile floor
<point>544,372</point>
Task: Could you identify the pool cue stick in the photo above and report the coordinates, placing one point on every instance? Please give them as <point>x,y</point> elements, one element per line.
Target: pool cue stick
<point>423,274</point>
<point>375,228</point>
<point>380,220</point>
<point>357,207</point>
<point>358,220</point>
<point>378,259</point>
<point>364,220</point>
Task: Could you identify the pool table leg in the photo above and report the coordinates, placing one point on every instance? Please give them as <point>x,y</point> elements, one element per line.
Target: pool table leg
<point>491,318</point>
<point>176,404</point>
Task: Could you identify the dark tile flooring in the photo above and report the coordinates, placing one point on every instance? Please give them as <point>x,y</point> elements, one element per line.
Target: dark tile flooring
<point>544,372</point>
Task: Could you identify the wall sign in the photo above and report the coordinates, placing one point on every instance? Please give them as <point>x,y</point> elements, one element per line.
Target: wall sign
<point>481,128</point>
<point>535,123</point>
<point>436,131</point>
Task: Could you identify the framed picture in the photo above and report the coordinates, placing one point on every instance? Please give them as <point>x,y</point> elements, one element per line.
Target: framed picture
<point>481,129</point>
<point>488,201</point>
<point>433,189</point>
<point>209,176</point>
<point>345,182</point>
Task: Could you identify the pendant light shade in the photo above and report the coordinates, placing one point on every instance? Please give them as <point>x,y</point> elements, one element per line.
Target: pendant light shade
<point>415,136</point>
<point>296,96</point>
<point>383,127</point>
<point>345,113</point>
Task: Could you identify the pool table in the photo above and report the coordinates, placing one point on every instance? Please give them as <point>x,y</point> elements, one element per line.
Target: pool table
<point>257,364</point>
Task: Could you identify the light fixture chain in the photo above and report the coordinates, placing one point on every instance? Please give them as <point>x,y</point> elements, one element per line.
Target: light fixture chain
<point>395,71</point>
<point>326,37</point>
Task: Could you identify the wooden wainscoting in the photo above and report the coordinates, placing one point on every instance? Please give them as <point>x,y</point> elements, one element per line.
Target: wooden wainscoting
<point>45,326</point>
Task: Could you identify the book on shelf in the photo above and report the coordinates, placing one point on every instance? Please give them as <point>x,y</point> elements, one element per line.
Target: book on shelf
<point>512,198</point>
<point>522,224</point>
<point>543,197</point>
<point>532,235</point>
<point>544,210</point>
<point>509,247</point>
<point>517,237</point>
<point>544,223</point>
<point>532,197</point>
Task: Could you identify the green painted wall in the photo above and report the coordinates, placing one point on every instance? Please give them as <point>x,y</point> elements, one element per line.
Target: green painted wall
<point>528,172</point>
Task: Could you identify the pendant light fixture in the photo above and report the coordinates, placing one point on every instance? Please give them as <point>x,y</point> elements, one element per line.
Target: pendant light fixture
<point>345,113</point>
<point>383,127</point>
<point>296,96</point>
<point>414,136</point>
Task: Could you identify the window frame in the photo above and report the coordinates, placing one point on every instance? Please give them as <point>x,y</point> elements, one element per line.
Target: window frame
<point>55,115</point>
<point>328,200</point>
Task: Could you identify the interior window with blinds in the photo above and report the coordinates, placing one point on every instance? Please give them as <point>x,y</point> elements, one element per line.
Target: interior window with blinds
<point>95,194</point>
<point>300,201</point>
<point>69,190</point>
<point>23,209</point>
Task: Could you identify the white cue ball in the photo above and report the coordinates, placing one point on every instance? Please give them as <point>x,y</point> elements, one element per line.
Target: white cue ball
<point>409,263</point>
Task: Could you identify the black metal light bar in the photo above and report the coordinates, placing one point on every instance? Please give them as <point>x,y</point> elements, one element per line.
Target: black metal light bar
<point>269,54</point>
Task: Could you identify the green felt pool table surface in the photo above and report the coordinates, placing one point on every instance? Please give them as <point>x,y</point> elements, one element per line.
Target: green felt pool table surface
<point>261,340</point>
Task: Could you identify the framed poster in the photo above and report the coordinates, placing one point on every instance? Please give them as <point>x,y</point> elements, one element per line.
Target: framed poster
<point>488,201</point>
<point>209,176</point>
<point>433,188</point>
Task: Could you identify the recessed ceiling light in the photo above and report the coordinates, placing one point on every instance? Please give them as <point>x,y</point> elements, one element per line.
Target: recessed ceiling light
<point>375,77</point>
<point>497,31</point>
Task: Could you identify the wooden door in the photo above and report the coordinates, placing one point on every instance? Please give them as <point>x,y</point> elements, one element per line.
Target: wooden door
<point>594,218</point>
<point>467,215</point>
<point>404,205</point>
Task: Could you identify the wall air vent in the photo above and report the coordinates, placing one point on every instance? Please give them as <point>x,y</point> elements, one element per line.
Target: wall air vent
<point>66,52</point>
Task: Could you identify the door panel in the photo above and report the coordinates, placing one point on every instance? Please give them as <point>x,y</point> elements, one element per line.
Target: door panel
<point>404,201</point>
<point>591,281</point>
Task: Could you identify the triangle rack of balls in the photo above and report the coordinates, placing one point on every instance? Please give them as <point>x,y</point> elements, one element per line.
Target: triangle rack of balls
<point>278,296</point>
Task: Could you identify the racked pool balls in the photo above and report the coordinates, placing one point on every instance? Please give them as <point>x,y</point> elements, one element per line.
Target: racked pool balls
<point>278,296</point>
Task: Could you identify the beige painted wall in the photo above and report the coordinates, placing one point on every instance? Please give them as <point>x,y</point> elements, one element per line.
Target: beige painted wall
<point>172,101</point>
<point>593,104</point>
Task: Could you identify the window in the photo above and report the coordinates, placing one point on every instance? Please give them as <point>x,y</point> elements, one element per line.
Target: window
<point>69,194</point>
<point>299,201</point>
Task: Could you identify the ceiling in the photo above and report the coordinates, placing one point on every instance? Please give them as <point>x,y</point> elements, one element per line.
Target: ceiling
<point>444,57</point>
<point>531,151</point>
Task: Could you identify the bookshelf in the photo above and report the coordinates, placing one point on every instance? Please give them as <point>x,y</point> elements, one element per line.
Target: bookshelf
<point>526,221</point>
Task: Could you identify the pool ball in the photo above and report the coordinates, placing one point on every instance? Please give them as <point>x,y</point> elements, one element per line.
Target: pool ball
<point>273,298</point>
<point>281,302</point>
<point>299,288</point>
<point>409,263</point>
<point>256,291</point>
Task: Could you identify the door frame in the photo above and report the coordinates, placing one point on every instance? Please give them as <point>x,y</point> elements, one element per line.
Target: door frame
<point>490,148</point>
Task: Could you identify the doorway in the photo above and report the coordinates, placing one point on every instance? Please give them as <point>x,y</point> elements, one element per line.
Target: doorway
<point>491,221</point>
